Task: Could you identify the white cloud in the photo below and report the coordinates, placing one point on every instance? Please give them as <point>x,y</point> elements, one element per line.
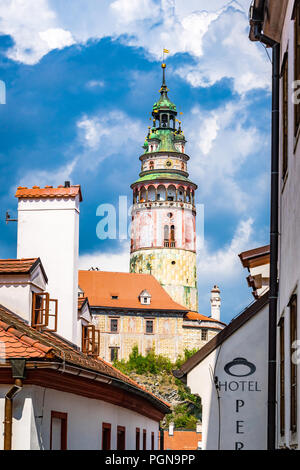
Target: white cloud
<point>95,84</point>
<point>57,38</point>
<point>34,28</point>
<point>223,264</point>
<point>117,261</point>
<point>221,141</point>
<point>104,134</point>
<point>214,34</point>
<point>134,10</point>
<point>45,177</point>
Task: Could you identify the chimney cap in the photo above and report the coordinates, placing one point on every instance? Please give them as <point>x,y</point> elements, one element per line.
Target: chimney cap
<point>49,192</point>
<point>215,289</point>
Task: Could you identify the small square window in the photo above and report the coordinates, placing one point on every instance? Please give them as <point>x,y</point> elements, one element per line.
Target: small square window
<point>149,326</point>
<point>113,325</point>
<point>114,354</point>
<point>204,335</point>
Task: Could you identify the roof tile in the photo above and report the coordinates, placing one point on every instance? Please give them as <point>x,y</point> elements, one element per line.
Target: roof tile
<point>48,192</point>
<point>101,286</point>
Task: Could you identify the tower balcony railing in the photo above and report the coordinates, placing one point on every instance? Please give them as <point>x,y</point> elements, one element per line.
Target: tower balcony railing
<point>169,204</point>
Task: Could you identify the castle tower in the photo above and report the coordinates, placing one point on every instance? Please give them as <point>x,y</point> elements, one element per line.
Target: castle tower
<point>163,241</point>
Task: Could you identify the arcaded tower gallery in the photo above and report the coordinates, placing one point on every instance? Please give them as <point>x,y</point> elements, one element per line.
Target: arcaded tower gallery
<point>163,241</point>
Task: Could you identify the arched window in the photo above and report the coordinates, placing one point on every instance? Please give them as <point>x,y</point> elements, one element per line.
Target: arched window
<point>171,193</point>
<point>151,165</point>
<point>182,166</point>
<point>172,233</point>
<point>166,236</point>
<point>161,193</point>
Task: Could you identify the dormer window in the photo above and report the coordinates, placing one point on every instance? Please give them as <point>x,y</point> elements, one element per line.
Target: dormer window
<point>90,340</point>
<point>145,297</point>
<point>44,312</point>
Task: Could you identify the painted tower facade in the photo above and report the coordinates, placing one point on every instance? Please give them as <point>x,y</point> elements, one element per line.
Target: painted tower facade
<point>163,240</point>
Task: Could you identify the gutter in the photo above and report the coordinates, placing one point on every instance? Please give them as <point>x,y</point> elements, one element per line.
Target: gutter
<point>257,12</point>
<point>98,377</point>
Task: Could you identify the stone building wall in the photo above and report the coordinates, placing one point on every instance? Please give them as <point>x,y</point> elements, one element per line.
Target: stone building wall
<point>171,334</point>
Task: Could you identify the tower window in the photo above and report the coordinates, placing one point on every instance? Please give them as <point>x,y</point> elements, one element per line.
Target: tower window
<point>173,262</point>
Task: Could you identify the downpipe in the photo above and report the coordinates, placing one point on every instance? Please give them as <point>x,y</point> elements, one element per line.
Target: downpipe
<point>8,413</point>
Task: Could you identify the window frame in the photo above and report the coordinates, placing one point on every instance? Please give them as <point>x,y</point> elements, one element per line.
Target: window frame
<point>137,439</point>
<point>111,320</point>
<point>282,375</point>
<point>147,320</point>
<point>285,114</point>
<point>113,348</point>
<point>123,430</point>
<point>106,427</point>
<point>144,439</point>
<point>90,340</point>
<point>64,428</point>
<point>152,441</point>
<point>204,331</point>
<point>293,304</point>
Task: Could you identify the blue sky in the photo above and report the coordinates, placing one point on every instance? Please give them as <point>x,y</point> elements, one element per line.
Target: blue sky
<point>81,79</point>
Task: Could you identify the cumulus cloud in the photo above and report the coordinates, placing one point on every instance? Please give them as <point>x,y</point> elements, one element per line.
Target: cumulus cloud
<point>221,141</point>
<point>134,10</point>
<point>117,261</point>
<point>105,134</point>
<point>224,264</point>
<point>215,34</point>
<point>34,27</point>
<point>45,177</point>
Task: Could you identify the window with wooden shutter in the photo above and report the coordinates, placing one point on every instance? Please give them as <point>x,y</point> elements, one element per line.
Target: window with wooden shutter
<point>90,340</point>
<point>281,378</point>
<point>44,312</point>
<point>293,338</point>
<point>40,309</point>
<point>285,110</point>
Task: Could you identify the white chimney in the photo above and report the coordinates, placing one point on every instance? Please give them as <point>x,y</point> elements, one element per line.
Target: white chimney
<point>48,228</point>
<point>171,428</point>
<point>215,301</point>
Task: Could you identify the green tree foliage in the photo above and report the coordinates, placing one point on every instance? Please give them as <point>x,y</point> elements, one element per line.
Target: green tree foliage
<point>184,415</point>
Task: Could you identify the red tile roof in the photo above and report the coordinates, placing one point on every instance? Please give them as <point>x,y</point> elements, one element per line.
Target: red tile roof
<point>19,340</point>
<point>48,192</point>
<point>16,344</point>
<point>182,440</point>
<point>101,286</point>
<point>198,317</point>
<point>20,266</point>
<point>81,302</point>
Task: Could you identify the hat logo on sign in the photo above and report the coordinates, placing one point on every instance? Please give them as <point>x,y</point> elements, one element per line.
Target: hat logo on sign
<point>240,361</point>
